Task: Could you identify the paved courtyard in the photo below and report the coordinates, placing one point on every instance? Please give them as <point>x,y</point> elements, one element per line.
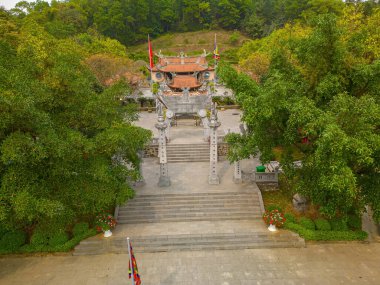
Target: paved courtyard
<point>351,263</point>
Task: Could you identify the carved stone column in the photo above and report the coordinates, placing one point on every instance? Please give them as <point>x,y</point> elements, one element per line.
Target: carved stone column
<point>206,131</point>
<point>237,172</point>
<point>164,180</point>
<point>213,125</point>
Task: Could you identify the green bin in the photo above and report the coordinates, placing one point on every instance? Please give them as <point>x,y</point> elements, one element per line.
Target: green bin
<point>260,168</point>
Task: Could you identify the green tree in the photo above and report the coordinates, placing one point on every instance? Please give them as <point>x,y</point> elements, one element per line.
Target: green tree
<point>319,102</point>
<point>68,149</point>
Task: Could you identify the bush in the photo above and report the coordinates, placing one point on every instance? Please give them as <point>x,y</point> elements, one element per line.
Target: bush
<point>234,38</point>
<point>270,208</point>
<point>339,224</point>
<point>307,223</point>
<point>3,231</point>
<point>80,228</point>
<point>290,218</point>
<point>326,235</point>
<point>39,238</point>
<point>354,222</point>
<point>12,241</point>
<point>58,238</point>
<point>322,224</point>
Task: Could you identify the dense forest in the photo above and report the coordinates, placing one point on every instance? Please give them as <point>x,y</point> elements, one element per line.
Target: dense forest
<point>129,21</point>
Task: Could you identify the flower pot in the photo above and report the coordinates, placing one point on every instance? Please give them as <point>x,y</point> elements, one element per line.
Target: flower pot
<point>107,233</point>
<point>272,228</point>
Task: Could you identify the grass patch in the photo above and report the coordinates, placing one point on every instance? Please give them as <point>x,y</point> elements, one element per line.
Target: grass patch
<point>192,42</point>
<point>326,235</point>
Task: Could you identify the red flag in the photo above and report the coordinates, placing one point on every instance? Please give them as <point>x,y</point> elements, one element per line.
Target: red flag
<point>136,275</point>
<point>151,63</point>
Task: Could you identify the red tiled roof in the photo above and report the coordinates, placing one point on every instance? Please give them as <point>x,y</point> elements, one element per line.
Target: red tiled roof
<point>184,81</point>
<point>177,60</point>
<point>182,68</point>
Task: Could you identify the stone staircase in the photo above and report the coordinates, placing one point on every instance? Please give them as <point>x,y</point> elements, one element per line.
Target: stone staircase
<point>190,207</point>
<point>188,152</point>
<point>229,211</point>
<point>217,241</point>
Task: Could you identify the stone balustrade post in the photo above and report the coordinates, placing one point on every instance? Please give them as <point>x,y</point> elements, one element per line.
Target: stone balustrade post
<point>164,180</point>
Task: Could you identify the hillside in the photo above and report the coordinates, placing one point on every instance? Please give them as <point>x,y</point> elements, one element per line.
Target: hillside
<point>193,42</point>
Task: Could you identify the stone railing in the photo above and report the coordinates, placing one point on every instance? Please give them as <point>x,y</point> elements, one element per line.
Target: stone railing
<point>151,150</point>
<point>266,177</point>
<point>260,177</point>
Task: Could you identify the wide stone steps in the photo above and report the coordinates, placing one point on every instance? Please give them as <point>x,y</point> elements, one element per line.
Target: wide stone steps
<point>188,152</point>
<point>212,241</point>
<point>190,207</point>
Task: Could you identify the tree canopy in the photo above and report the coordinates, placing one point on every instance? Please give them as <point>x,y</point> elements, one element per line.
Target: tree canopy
<point>130,21</point>
<point>316,98</point>
<point>68,148</point>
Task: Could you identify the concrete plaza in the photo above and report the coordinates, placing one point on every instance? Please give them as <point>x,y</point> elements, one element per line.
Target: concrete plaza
<point>351,263</point>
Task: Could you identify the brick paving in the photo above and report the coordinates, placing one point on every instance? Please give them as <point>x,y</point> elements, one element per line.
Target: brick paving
<point>350,263</point>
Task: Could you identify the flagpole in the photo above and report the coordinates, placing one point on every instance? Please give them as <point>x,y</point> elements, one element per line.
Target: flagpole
<point>216,63</point>
<point>150,67</point>
<point>130,262</point>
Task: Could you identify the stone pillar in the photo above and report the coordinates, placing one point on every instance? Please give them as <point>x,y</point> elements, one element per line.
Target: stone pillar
<point>141,181</point>
<point>164,180</point>
<point>203,115</point>
<point>237,172</point>
<point>168,121</point>
<point>214,124</point>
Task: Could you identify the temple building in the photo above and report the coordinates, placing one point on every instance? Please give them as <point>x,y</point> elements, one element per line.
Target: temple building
<point>184,82</point>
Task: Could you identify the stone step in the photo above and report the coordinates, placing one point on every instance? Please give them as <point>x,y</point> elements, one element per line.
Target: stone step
<point>226,197</point>
<point>199,194</point>
<point>187,146</point>
<point>189,152</point>
<point>192,218</point>
<point>216,241</point>
<point>171,160</point>
<point>188,155</point>
<point>184,206</point>
<point>175,213</point>
<point>175,206</point>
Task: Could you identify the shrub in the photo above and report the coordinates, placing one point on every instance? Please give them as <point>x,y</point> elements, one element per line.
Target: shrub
<point>354,222</point>
<point>80,228</point>
<point>234,38</point>
<point>339,224</point>
<point>322,224</point>
<point>3,231</point>
<point>58,238</point>
<point>290,218</point>
<point>12,241</point>
<point>270,208</point>
<point>326,235</point>
<point>202,42</point>
<point>39,238</point>
<point>307,223</point>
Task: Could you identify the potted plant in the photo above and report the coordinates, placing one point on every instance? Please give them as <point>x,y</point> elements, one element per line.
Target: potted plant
<point>104,223</point>
<point>274,219</point>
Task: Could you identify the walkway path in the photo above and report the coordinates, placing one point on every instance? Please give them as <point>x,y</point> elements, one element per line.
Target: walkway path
<point>317,264</point>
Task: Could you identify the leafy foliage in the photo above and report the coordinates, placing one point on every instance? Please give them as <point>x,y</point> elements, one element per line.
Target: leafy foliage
<point>67,146</point>
<point>307,223</point>
<point>317,98</point>
<point>322,224</point>
<point>308,234</point>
